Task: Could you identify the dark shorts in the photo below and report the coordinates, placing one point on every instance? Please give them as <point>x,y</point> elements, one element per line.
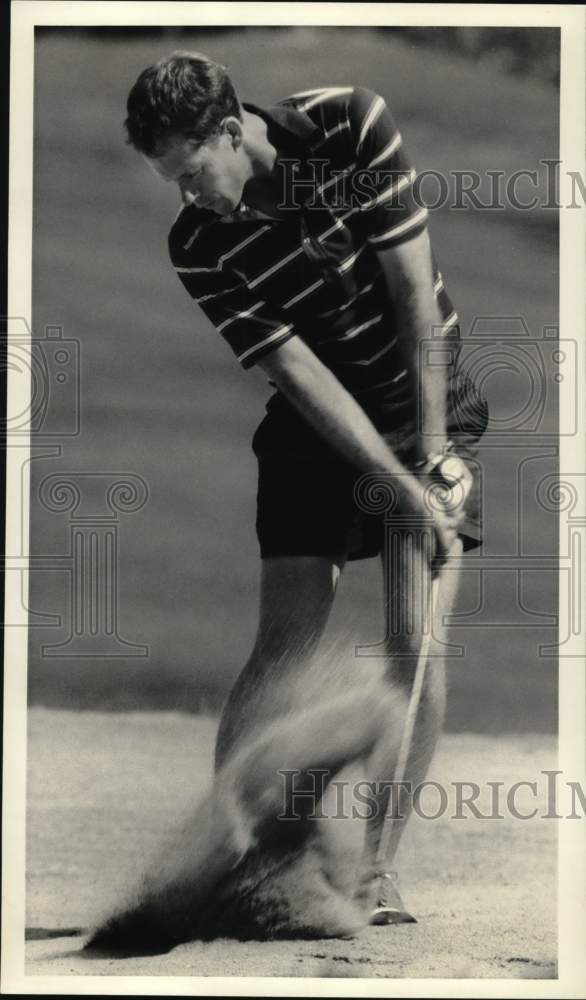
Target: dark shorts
<point>306,502</point>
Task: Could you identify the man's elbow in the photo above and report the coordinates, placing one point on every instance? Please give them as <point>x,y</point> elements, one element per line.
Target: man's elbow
<point>407,267</point>
<point>290,365</point>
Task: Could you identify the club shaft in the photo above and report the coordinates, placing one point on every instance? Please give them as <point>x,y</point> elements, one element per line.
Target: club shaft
<point>409,724</point>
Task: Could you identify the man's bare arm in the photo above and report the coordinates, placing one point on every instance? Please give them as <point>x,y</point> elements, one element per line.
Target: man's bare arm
<point>324,402</point>
<point>408,273</point>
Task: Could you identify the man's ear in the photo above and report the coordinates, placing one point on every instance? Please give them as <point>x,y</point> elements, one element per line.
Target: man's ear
<point>233,127</point>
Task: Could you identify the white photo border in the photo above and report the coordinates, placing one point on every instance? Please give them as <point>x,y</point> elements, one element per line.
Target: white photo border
<point>572,690</point>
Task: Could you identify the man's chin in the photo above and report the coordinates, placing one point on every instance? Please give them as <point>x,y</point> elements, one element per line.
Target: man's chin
<point>223,206</point>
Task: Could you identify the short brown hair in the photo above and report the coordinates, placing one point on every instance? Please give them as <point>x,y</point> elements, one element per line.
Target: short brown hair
<point>185,94</point>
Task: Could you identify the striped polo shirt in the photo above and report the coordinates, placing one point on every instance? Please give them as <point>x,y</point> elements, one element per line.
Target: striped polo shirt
<point>347,191</point>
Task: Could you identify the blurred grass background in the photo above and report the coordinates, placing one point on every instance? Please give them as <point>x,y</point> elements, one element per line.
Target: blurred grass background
<point>162,396</point>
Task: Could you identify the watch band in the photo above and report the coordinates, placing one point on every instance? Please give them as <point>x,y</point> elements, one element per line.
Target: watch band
<point>450,467</point>
<point>431,459</point>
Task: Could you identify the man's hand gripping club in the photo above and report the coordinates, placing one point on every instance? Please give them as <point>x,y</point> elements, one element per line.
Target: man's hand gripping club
<point>324,402</point>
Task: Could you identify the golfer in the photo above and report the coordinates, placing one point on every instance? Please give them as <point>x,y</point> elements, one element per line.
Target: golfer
<point>303,241</point>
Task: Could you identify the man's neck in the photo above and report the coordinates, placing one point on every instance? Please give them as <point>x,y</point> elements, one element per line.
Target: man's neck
<point>261,153</point>
<point>262,189</point>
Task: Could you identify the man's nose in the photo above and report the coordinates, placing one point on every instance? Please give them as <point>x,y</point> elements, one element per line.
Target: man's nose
<point>188,197</point>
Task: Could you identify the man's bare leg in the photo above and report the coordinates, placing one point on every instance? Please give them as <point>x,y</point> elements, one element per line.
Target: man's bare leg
<point>296,596</point>
<point>406,612</point>
<point>194,887</point>
<point>279,682</point>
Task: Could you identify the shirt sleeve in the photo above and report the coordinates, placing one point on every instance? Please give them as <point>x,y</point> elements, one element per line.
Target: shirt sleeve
<point>384,178</point>
<point>247,323</point>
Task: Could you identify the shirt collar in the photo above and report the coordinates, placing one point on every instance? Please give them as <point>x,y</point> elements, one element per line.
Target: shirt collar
<point>289,130</point>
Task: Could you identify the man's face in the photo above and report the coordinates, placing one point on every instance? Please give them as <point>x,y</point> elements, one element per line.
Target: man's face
<point>211,174</point>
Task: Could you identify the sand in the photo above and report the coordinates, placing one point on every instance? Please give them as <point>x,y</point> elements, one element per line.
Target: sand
<point>106,788</point>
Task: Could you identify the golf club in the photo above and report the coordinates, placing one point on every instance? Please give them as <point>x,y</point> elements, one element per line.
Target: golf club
<point>410,717</point>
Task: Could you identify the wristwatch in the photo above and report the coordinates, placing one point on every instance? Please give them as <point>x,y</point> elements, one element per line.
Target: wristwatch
<point>449,468</point>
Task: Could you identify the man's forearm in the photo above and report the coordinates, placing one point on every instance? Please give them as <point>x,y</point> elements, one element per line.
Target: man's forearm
<point>324,402</point>
<point>409,276</point>
<point>417,316</point>
<point>333,412</point>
